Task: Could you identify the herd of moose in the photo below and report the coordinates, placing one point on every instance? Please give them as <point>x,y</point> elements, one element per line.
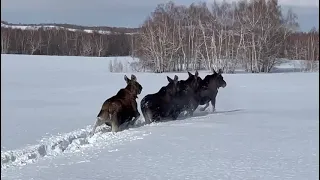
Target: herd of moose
<point>167,104</point>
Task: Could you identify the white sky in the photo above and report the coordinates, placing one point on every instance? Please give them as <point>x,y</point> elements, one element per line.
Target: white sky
<point>125,13</point>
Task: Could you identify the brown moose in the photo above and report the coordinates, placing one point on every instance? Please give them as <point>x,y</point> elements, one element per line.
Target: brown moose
<point>121,108</point>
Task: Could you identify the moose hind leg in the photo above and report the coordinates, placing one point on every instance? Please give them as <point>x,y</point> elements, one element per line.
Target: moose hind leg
<point>205,107</point>
<point>114,127</point>
<point>108,123</point>
<point>114,123</point>
<point>147,114</point>
<point>99,122</point>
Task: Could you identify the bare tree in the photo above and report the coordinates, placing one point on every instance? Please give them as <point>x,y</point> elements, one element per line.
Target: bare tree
<point>87,46</point>
<point>99,44</point>
<point>5,40</point>
<point>34,41</point>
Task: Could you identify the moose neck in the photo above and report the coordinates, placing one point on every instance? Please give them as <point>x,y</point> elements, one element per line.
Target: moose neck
<point>165,94</point>
<point>132,89</point>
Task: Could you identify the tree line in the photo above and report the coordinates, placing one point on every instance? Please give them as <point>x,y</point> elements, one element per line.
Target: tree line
<point>248,34</point>
<point>64,42</point>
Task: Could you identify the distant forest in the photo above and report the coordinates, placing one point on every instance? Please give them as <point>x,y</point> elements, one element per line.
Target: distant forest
<point>175,37</point>
<point>66,40</point>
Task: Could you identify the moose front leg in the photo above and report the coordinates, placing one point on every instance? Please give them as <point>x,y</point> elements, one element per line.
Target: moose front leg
<point>136,117</point>
<point>205,107</point>
<point>190,110</point>
<point>189,113</point>
<point>136,112</point>
<point>193,104</point>
<point>175,115</point>
<point>213,103</point>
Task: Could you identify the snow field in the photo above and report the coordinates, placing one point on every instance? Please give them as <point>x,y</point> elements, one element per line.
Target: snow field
<point>266,126</point>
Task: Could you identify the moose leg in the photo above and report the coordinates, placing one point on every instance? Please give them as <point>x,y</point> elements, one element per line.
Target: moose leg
<point>136,117</point>
<point>175,114</point>
<point>213,103</point>
<point>147,116</point>
<point>205,107</point>
<point>115,126</point>
<point>99,122</point>
<point>107,123</point>
<point>193,106</point>
<point>190,111</point>
<point>135,110</point>
<point>156,118</point>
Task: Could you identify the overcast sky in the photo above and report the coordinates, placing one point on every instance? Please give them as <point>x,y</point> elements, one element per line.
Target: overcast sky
<point>124,13</point>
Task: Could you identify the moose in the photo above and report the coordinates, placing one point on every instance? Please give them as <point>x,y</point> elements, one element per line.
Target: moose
<point>208,89</point>
<point>121,108</point>
<point>159,106</point>
<point>186,98</point>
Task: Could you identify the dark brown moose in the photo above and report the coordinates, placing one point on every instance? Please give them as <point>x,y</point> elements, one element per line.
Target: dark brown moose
<point>121,108</point>
<point>186,97</point>
<point>208,89</point>
<point>159,106</point>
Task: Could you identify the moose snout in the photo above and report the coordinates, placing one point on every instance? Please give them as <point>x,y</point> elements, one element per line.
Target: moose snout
<point>224,84</point>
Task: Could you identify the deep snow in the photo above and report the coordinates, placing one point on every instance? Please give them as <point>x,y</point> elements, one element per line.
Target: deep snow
<point>266,126</point>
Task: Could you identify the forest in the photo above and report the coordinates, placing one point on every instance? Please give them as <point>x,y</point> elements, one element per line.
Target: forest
<point>252,34</point>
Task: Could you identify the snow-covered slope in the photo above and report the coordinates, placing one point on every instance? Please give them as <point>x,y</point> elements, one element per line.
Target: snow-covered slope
<point>266,126</point>
<point>36,27</point>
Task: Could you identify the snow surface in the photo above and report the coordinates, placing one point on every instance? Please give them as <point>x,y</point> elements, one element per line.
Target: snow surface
<point>287,65</point>
<point>265,126</point>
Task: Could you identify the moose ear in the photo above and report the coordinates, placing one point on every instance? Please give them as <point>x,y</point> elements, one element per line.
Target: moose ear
<point>196,73</point>
<point>169,79</point>
<point>175,78</point>
<point>189,74</point>
<point>133,77</point>
<point>214,72</point>
<point>220,71</point>
<point>126,78</point>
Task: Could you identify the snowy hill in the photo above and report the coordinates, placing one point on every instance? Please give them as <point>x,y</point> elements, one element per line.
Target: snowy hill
<point>71,27</point>
<point>266,126</point>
